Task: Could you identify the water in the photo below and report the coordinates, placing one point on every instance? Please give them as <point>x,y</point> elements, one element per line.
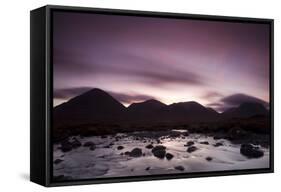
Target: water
<point>82,163</point>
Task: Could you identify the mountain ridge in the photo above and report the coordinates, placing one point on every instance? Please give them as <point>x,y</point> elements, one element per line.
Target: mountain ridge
<point>97,105</point>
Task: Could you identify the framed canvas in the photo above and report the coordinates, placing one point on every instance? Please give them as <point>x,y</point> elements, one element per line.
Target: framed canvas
<point>119,95</point>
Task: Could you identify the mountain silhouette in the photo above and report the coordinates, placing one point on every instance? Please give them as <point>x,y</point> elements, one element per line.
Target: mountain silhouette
<point>245,110</point>
<point>97,106</point>
<point>192,111</point>
<point>93,106</point>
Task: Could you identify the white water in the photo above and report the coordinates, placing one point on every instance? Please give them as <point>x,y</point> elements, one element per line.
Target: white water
<point>82,163</point>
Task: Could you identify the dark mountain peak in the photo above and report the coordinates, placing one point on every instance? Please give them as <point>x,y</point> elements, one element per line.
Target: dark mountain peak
<point>246,109</point>
<point>96,97</point>
<point>252,105</point>
<point>212,110</point>
<point>151,103</point>
<point>94,105</point>
<point>188,105</point>
<point>95,92</point>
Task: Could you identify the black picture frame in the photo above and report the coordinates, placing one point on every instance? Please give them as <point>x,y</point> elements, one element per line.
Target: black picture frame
<point>42,94</point>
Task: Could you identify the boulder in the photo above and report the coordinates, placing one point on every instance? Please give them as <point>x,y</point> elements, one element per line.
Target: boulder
<point>89,144</point>
<point>150,146</point>
<point>217,137</point>
<point>189,143</point>
<point>251,151</point>
<point>57,161</point>
<point>120,147</point>
<point>159,151</point>
<point>218,144</point>
<point>75,143</point>
<point>136,152</point>
<point>169,156</point>
<point>66,146</point>
<point>92,148</point>
<point>209,158</point>
<point>204,142</point>
<point>191,149</point>
<point>180,168</point>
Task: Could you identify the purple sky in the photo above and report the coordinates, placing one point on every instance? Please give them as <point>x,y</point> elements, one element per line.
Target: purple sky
<point>172,60</point>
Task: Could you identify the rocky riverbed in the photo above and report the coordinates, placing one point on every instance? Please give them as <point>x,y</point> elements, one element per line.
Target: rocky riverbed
<point>152,153</point>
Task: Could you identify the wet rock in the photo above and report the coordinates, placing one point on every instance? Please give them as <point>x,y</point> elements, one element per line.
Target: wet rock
<point>136,152</point>
<point>127,153</point>
<point>217,137</point>
<point>169,156</point>
<point>251,151</point>
<point>191,149</point>
<point>180,168</point>
<point>120,147</point>
<point>189,143</point>
<point>204,143</point>
<point>209,158</point>
<point>57,161</point>
<point>150,146</point>
<point>66,146</point>
<point>174,134</point>
<point>186,134</point>
<point>92,148</point>
<point>159,151</point>
<point>89,144</point>
<point>158,141</point>
<point>75,144</point>
<point>218,144</point>
<point>148,168</point>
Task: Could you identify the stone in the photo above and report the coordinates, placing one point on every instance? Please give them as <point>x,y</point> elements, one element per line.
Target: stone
<point>120,147</point>
<point>191,149</point>
<point>169,156</point>
<point>251,151</point>
<point>159,151</point>
<point>180,168</point>
<point>150,146</point>
<point>189,143</point>
<point>136,152</point>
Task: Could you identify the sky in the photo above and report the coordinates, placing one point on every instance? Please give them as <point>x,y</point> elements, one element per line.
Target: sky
<point>217,64</point>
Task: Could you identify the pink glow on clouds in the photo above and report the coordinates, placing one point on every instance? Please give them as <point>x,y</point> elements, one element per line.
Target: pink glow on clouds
<point>169,59</point>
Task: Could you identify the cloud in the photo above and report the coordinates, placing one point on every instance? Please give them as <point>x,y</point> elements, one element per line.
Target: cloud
<point>129,98</point>
<point>150,70</point>
<point>212,95</point>
<point>126,98</point>
<point>239,98</point>
<point>68,93</point>
<point>235,100</point>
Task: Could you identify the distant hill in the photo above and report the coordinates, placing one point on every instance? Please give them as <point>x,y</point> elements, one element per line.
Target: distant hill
<point>246,110</point>
<point>192,111</point>
<point>97,106</point>
<point>93,106</point>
